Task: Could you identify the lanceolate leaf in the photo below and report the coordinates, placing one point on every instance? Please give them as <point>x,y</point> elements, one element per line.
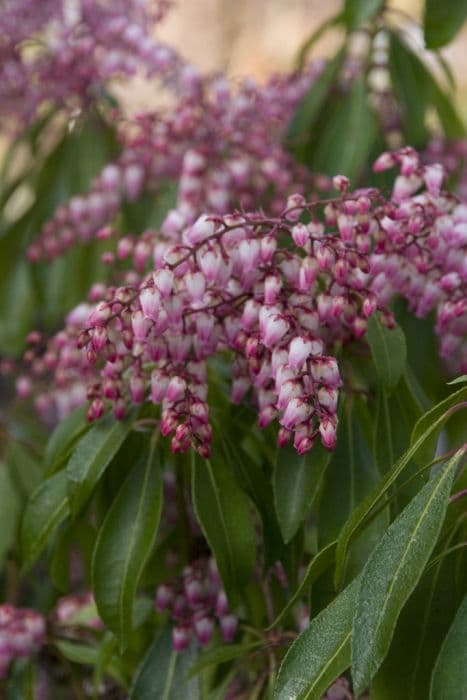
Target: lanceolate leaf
<point>449,680</point>
<point>296,482</point>
<point>420,630</point>
<point>47,508</point>
<point>308,109</point>
<point>225,515</point>
<point>389,352</point>
<point>321,653</point>
<point>163,672</point>
<point>426,450</point>
<point>361,513</point>
<point>91,457</point>
<point>124,543</point>
<point>63,437</point>
<point>442,21</point>
<point>356,12</point>
<point>392,572</point>
<point>347,136</point>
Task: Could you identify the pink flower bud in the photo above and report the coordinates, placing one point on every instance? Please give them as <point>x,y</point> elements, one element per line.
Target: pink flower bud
<point>300,235</point>
<point>181,637</point>
<point>140,325</point>
<point>328,398</point>
<point>228,624</point>
<point>274,329</point>
<point>176,389</point>
<point>164,282</point>
<point>341,183</point>
<point>159,384</point>
<point>299,350</point>
<point>272,288</point>
<point>196,285</point>
<point>204,628</point>
<point>327,429</point>
<point>297,411</point>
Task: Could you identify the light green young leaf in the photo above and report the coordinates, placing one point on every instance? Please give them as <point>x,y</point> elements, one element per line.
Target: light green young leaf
<point>296,482</point>
<point>389,352</point>
<point>459,380</point>
<point>163,673</point>
<point>321,653</point>
<point>225,515</point>
<point>449,679</point>
<point>91,457</point>
<point>46,509</point>
<point>124,543</point>
<point>392,572</point>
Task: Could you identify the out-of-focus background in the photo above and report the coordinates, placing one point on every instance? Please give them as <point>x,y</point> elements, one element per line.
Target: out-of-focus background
<point>257,37</point>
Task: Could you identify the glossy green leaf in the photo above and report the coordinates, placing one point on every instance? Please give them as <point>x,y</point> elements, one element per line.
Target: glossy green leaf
<point>412,84</point>
<point>442,21</point>
<point>221,654</point>
<point>392,572</point>
<point>321,653</point>
<point>449,680</point>
<point>361,514</point>
<point>46,509</point>
<point>357,12</point>
<point>63,437</point>
<point>322,561</point>
<point>347,136</point>
<point>296,482</point>
<point>352,474</point>
<point>225,515</point>
<point>91,456</point>
<point>9,512</point>
<point>426,451</point>
<point>305,115</point>
<point>420,630</point>
<point>163,673</point>
<point>124,543</point>
<point>389,352</point>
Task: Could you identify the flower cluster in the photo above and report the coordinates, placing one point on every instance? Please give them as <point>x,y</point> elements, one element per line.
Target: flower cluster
<point>277,293</point>
<point>421,251</point>
<point>22,632</point>
<point>64,52</point>
<point>222,148</point>
<point>195,602</point>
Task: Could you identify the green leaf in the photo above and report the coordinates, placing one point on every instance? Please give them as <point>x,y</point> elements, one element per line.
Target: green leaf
<point>357,12</point>
<point>449,680</point>
<point>124,543</point>
<point>358,518</point>
<point>412,84</point>
<point>347,136</point>
<point>420,630</point>
<point>46,509</point>
<point>442,21</point>
<point>63,437</point>
<point>308,109</point>
<point>225,515</point>
<point>322,561</point>
<point>91,456</point>
<point>9,513</point>
<point>163,672</point>
<point>351,476</point>
<point>296,482</point>
<point>426,451</point>
<point>389,352</point>
<point>392,572</point>
<point>220,654</point>
<point>321,652</point>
